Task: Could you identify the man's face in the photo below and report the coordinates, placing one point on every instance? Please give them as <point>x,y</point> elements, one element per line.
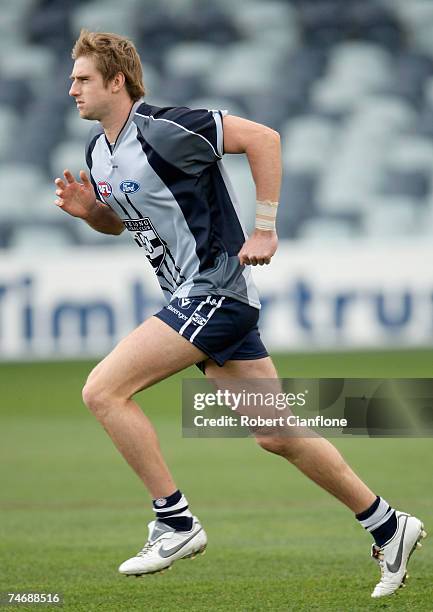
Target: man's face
<point>92,97</point>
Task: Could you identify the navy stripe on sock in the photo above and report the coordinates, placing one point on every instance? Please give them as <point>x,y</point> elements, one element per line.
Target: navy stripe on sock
<point>171,500</point>
<point>180,523</point>
<point>385,532</point>
<point>365,514</point>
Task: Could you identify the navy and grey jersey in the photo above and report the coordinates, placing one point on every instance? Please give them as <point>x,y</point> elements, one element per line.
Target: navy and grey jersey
<point>165,179</point>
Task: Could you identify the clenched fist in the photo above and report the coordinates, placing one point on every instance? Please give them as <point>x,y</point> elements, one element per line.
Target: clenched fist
<point>259,248</point>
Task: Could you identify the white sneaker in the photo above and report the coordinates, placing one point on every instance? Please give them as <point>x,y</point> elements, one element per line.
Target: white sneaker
<point>164,546</point>
<point>394,556</point>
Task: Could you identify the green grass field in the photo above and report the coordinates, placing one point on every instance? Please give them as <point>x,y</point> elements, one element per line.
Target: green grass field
<point>71,509</point>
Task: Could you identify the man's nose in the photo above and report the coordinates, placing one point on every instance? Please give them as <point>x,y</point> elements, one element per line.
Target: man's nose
<point>73,90</point>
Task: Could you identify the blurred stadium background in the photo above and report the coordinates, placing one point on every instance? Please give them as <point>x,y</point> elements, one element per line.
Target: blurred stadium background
<point>349,85</point>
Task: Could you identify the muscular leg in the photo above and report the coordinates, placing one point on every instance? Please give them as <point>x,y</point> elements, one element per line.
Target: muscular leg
<point>314,456</point>
<point>149,354</point>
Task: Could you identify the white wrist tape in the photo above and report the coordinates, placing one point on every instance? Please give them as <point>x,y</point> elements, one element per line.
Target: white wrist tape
<point>266,213</point>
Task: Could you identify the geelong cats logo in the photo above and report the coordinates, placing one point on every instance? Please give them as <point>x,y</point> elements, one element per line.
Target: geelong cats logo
<point>146,236</point>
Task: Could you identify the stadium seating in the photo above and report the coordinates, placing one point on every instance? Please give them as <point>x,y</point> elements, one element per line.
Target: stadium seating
<point>103,15</point>
<point>9,119</point>
<point>349,85</point>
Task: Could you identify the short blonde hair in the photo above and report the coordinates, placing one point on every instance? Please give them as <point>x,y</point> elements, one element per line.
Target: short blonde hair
<point>112,54</point>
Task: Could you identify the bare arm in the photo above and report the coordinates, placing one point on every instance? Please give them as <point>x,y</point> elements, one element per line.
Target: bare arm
<point>78,200</point>
<point>262,148</point>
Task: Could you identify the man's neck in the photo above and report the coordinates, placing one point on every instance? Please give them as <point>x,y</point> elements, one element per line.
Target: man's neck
<point>113,123</point>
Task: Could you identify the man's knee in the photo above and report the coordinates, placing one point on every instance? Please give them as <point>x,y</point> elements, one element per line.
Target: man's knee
<point>96,396</point>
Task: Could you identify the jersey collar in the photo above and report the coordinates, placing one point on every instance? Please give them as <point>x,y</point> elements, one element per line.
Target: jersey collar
<point>125,126</point>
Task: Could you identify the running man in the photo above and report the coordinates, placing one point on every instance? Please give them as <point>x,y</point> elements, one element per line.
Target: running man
<point>157,172</point>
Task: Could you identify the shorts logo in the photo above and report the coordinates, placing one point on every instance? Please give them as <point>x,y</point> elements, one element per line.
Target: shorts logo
<point>177,312</point>
<point>105,189</point>
<point>198,319</point>
<point>185,303</point>
<point>129,186</point>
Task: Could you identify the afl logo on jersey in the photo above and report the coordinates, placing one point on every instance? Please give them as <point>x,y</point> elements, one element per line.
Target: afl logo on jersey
<point>129,186</point>
<point>104,189</point>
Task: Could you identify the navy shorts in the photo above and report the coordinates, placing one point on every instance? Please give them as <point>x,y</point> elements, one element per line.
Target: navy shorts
<point>221,327</point>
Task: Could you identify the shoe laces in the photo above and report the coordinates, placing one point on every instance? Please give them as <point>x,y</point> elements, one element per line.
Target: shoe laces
<point>146,549</point>
<point>378,556</point>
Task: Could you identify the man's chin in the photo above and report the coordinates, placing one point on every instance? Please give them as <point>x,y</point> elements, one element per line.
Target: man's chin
<point>86,115</point>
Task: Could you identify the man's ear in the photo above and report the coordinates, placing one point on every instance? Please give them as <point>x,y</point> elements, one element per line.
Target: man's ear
<point>118,82</point>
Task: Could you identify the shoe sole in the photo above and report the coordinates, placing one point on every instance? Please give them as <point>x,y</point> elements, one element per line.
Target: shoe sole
<point>200,551</point>
<point>402,585</point>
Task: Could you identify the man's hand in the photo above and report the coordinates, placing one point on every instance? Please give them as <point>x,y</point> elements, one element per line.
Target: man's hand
<point>259,248</point>
<point>77,199</point>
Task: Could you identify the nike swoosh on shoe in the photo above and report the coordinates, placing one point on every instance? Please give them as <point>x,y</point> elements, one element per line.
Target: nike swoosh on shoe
<point>168,552</point>
<point>395,565</point>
